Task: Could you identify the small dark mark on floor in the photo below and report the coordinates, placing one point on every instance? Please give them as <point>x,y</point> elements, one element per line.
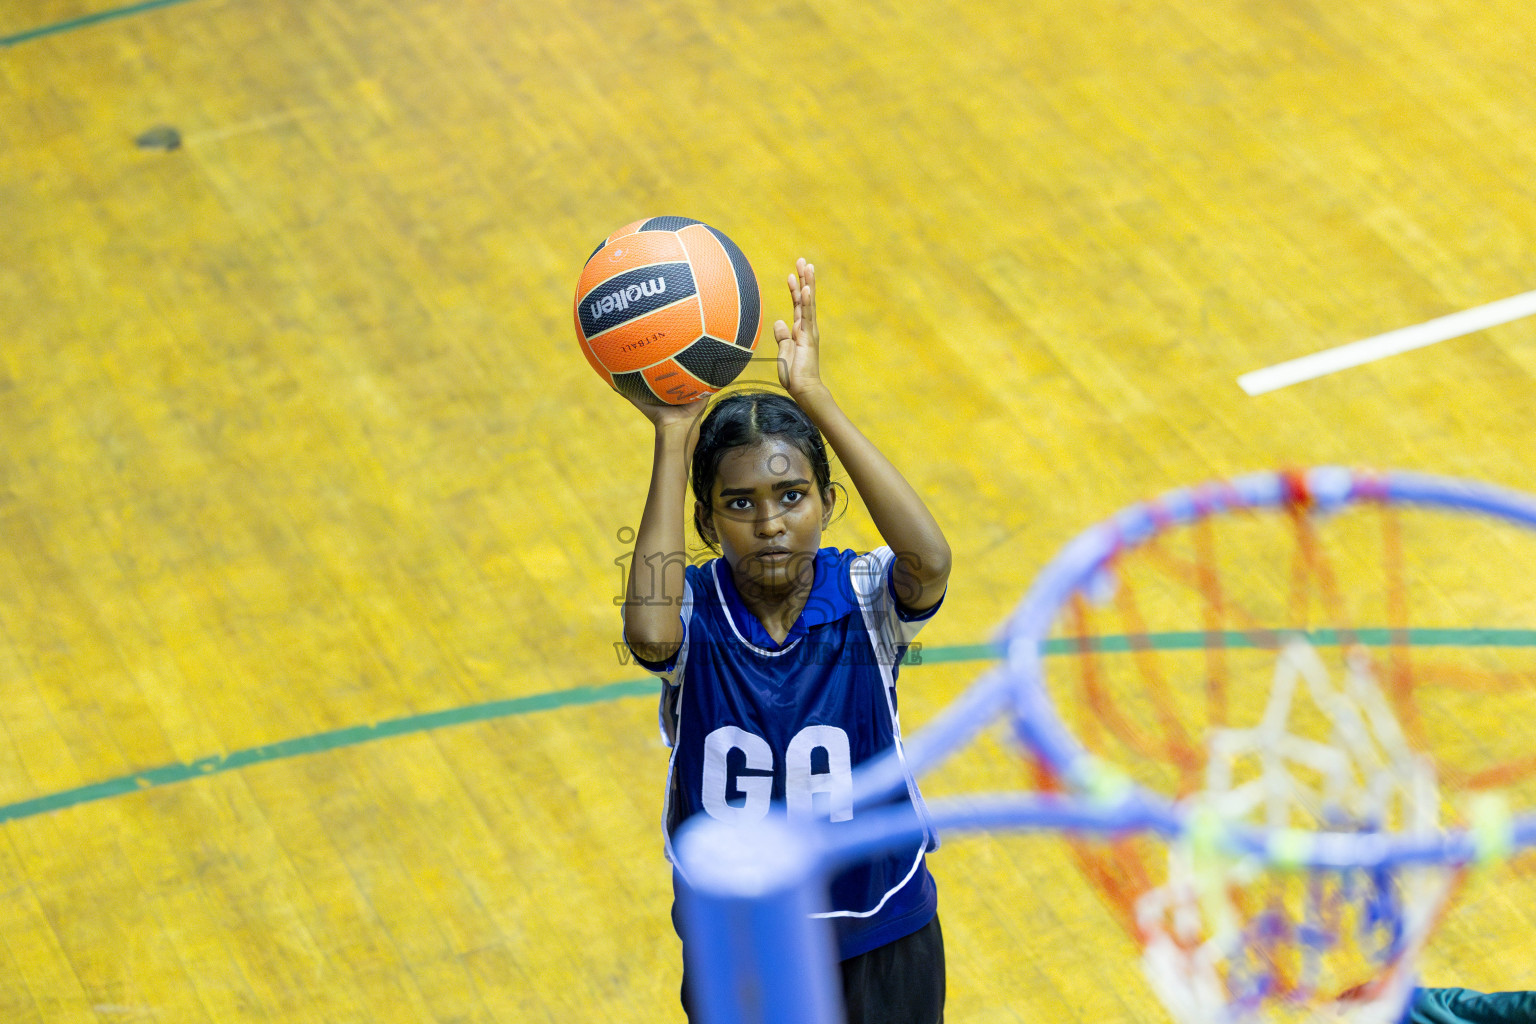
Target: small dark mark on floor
<point>162,136</point>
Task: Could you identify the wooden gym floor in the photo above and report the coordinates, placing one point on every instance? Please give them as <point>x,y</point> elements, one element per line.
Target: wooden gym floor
<point>310,509</point>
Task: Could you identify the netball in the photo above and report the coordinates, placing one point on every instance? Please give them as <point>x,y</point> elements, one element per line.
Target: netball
<point>667,310</point>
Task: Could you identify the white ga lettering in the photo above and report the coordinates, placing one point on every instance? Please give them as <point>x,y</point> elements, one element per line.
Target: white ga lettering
<point>802,786</point>
<point>756,789</point>
<point>808,794</point>
<point>618,301</point>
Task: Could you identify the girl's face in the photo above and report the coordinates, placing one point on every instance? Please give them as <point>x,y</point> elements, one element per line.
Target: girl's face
<point>767,516</point>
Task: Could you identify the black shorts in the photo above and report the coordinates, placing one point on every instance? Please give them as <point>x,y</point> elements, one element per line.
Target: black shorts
<point>901,982</point>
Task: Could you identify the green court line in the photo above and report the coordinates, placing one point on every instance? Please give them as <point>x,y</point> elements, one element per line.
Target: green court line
<point>1264,639</point>
<point>319,742</point>
<point>84,20</point>
<point>354,735</point>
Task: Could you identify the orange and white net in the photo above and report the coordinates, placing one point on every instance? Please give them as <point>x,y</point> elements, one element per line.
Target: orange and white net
<point>1302,674</point>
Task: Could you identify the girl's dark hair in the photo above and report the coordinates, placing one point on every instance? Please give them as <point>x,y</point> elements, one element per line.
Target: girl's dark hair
<point>744,418</point>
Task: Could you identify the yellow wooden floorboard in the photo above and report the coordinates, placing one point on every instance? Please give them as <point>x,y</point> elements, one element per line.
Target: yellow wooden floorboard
<point>298,437</point>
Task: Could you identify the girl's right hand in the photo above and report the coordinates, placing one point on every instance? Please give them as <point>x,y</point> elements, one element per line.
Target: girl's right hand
<point>665,415</point>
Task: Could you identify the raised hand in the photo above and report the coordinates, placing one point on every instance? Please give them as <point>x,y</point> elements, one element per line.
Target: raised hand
<point>800,345</point>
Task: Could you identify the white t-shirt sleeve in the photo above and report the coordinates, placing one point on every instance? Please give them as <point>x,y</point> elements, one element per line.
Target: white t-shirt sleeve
<point>670,671</point>
<point>874,587</point>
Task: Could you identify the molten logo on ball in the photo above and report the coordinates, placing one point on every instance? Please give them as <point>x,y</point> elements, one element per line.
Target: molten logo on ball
<point>620,300</point>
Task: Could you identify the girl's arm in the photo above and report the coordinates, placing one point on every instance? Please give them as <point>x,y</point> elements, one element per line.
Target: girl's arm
<point>904,522</point>
<point>653,596</point>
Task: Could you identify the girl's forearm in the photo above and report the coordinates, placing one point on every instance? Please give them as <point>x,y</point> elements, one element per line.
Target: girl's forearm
<point>901,516</point>
<point>655,588</point>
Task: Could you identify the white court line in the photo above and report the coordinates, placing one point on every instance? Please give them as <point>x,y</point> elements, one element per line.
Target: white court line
<point>255,125</point>
<point>1404,339</point>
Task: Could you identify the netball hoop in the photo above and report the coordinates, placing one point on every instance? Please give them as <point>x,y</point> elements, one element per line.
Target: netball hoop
<point>1251,708</point>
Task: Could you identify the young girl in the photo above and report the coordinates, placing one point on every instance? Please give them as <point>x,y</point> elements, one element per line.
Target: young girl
<point>780,656</point>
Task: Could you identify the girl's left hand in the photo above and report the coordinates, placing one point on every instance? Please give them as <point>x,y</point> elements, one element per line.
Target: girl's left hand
<point>799,347</point>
